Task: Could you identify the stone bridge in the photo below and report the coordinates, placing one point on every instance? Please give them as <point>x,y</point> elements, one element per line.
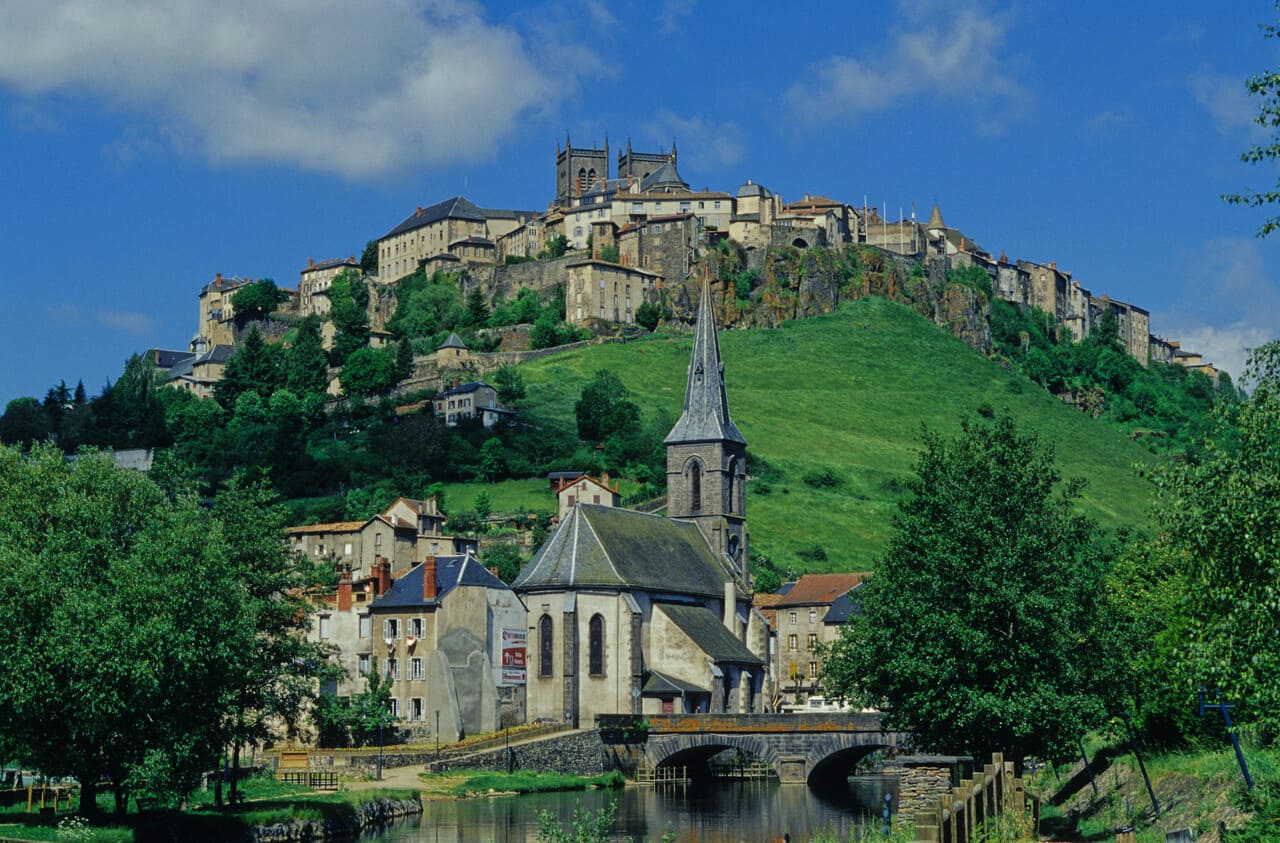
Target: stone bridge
<point>800,748</point>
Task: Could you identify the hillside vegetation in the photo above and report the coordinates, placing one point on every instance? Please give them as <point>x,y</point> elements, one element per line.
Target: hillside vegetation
<point>832,408</point>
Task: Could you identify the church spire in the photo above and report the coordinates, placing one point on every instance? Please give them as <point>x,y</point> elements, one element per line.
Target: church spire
<point>706,407</point>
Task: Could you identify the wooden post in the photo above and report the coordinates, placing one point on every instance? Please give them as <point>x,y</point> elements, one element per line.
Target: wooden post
<point>30,796</point>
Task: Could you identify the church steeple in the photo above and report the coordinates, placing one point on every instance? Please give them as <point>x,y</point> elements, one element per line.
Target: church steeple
<point>706,407</point>
<point>707,454</point>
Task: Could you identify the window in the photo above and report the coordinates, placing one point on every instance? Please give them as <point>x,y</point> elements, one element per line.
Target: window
<point>415,627</point>
<point>364,663</point>
<point>391,628</point>
<point>813,670</point>
<point>393,707</point>
<point>346,549</point>
<point>716,206</point>
<point>595,646</point>
<point>813,616</point>
<point>366,625</point>
<point>793,618</point>
<point>545,646</point>
<point>415,708</point>
<point>577,231</point>
<point>695,488</point>
<point>324,626</point>
<point>793,642</point>
<point>377,539</point>
<point>392,670</point>
<point>415,668</point>
<point>813,640</point>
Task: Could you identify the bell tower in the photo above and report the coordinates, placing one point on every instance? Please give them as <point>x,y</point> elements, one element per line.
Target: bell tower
<point>706,454</point>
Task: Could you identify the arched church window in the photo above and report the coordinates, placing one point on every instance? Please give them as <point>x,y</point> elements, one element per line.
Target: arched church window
<point>545,646</point>
<point>582,175</point>
<point>595,646</point>
<point>730,488</point>
<point>591,176</point>
<point>695,488</point>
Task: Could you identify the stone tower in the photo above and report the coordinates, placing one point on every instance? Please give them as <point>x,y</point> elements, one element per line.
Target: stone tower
<point>706,454</point>
<point>578,169</point>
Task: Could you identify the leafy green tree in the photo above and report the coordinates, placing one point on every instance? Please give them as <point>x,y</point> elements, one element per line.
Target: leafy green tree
<point>477,313</point>
<point>305,365</point>
<point>256,300</point>
<point>404,360</point>
<point>1221,517</point>
<point>254,367</point>
<point>483,506</point>
<point>24,422</point>
<point>1265,86</point>
<point>506,558</point>
<point>605,407</point>
<point>120,632</point>
<point>557,246</point>
<point>978,632</point>
<point>649,314</point>
<point>509,384</point>
<point>355,722</point>
<point>348,310</point>
<point>369,258</point>
<point>493,460</point>
<point>369,371</point>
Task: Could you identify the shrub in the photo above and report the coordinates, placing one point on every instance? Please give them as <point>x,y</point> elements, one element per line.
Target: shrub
<point>824,479</point>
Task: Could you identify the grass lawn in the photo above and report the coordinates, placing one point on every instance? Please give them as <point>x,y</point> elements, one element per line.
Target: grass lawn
<point>521,781</point>
<point>847,392</point>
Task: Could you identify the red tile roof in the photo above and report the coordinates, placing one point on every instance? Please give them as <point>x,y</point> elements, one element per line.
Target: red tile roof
<point>820,589</point>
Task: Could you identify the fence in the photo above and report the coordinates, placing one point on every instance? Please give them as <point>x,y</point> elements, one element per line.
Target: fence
<point>959,813</point>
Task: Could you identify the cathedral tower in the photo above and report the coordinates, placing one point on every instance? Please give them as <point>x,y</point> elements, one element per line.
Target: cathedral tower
<point>706,454</point>
<point>578,170</point>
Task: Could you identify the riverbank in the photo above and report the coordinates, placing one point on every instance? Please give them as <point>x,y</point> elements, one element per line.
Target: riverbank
<point>1202,790</point>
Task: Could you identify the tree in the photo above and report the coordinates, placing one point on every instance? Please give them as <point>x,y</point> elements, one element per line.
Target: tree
<point>254,367</point>
<point>1220,516</point>
<point>306,366</point>
<point>510,385</point>
<point>557,246</point>
<point>977,631</point>
<point>120,633</point>
<point>1266,86</point>
<point>369,371</point>
<point>348,310</point>
<point>24,422</point>
<point>369,258</point>
<point>506,558</point>
<point>605,408</point>
<point>493,460</point>
<point>649,314</point>
<point>404,360</point>
<point>256,300</point>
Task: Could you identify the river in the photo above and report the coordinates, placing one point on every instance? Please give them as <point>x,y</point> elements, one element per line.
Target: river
<point>712,812</point>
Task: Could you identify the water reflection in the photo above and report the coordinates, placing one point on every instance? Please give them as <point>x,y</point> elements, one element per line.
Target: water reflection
<point>717,812</point>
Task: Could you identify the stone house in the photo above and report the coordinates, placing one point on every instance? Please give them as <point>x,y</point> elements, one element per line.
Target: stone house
<point>666,245</point>
<point>216,324</point>
<point>635,613</point>
<point>427,232</point>
<point>449,635</point>
<point>802,625</point>
<point>407,531</point>
<point>314,282</point>
<point>584,489</point>
<point>464,401</point>
<point>197,373</point>
<point>597,290</point>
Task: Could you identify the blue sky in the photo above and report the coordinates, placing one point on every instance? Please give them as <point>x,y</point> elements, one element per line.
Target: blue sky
<point>146,146</point>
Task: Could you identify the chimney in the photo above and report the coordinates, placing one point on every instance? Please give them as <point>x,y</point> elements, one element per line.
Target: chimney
<point>344,591</point>
<point>493,569</point>
<point>382,575</point>
<point>311,261</point>
<point>604,479</point>
<point>429,588</point>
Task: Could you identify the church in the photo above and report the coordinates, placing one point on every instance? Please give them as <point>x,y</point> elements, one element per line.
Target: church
<point>633,613</point>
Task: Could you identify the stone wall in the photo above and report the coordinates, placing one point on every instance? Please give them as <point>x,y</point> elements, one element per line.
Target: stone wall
<point>580,753</point>
<point>541,276</point>
<point>922,779</point>
<point>369,815</point>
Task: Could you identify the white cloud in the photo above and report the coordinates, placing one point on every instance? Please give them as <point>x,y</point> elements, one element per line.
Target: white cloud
<point>673,14</point>
<point>1107,122</point>
<point>1228,306</point>
<point>711,145</point>
<point>1228,102</point>
<point>942,51</point>
<point>359,90</point>
<point>65,313</point>
<point>130,322</point>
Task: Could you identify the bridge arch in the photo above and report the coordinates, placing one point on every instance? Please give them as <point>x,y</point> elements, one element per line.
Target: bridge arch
<point>811,759</point>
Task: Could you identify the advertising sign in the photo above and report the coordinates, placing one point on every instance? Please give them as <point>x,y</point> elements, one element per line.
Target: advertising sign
<point>513,650</point>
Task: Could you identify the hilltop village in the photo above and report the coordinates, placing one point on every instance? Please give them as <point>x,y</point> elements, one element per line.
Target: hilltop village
<point>619,234</point>
<point>618,611</point>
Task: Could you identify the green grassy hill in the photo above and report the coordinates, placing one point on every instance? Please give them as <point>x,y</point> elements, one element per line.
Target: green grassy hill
<point>848,392</point>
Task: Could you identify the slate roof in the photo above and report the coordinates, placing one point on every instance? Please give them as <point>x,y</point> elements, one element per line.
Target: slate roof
<point>706,407</point>
<point>845,606</point>
<point>820,589</point>
<point>753,189</point>
<point>664,176</point>
<point>458,208</point>
<point>331,527</point>
<point>462,389</point>
<point>451,572</point>
<point>710,634</point>
<point>454,341</point>
<point>660,684</point>
<point>602,546</point>
<point>331,264</point>
<point>166,358</point>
